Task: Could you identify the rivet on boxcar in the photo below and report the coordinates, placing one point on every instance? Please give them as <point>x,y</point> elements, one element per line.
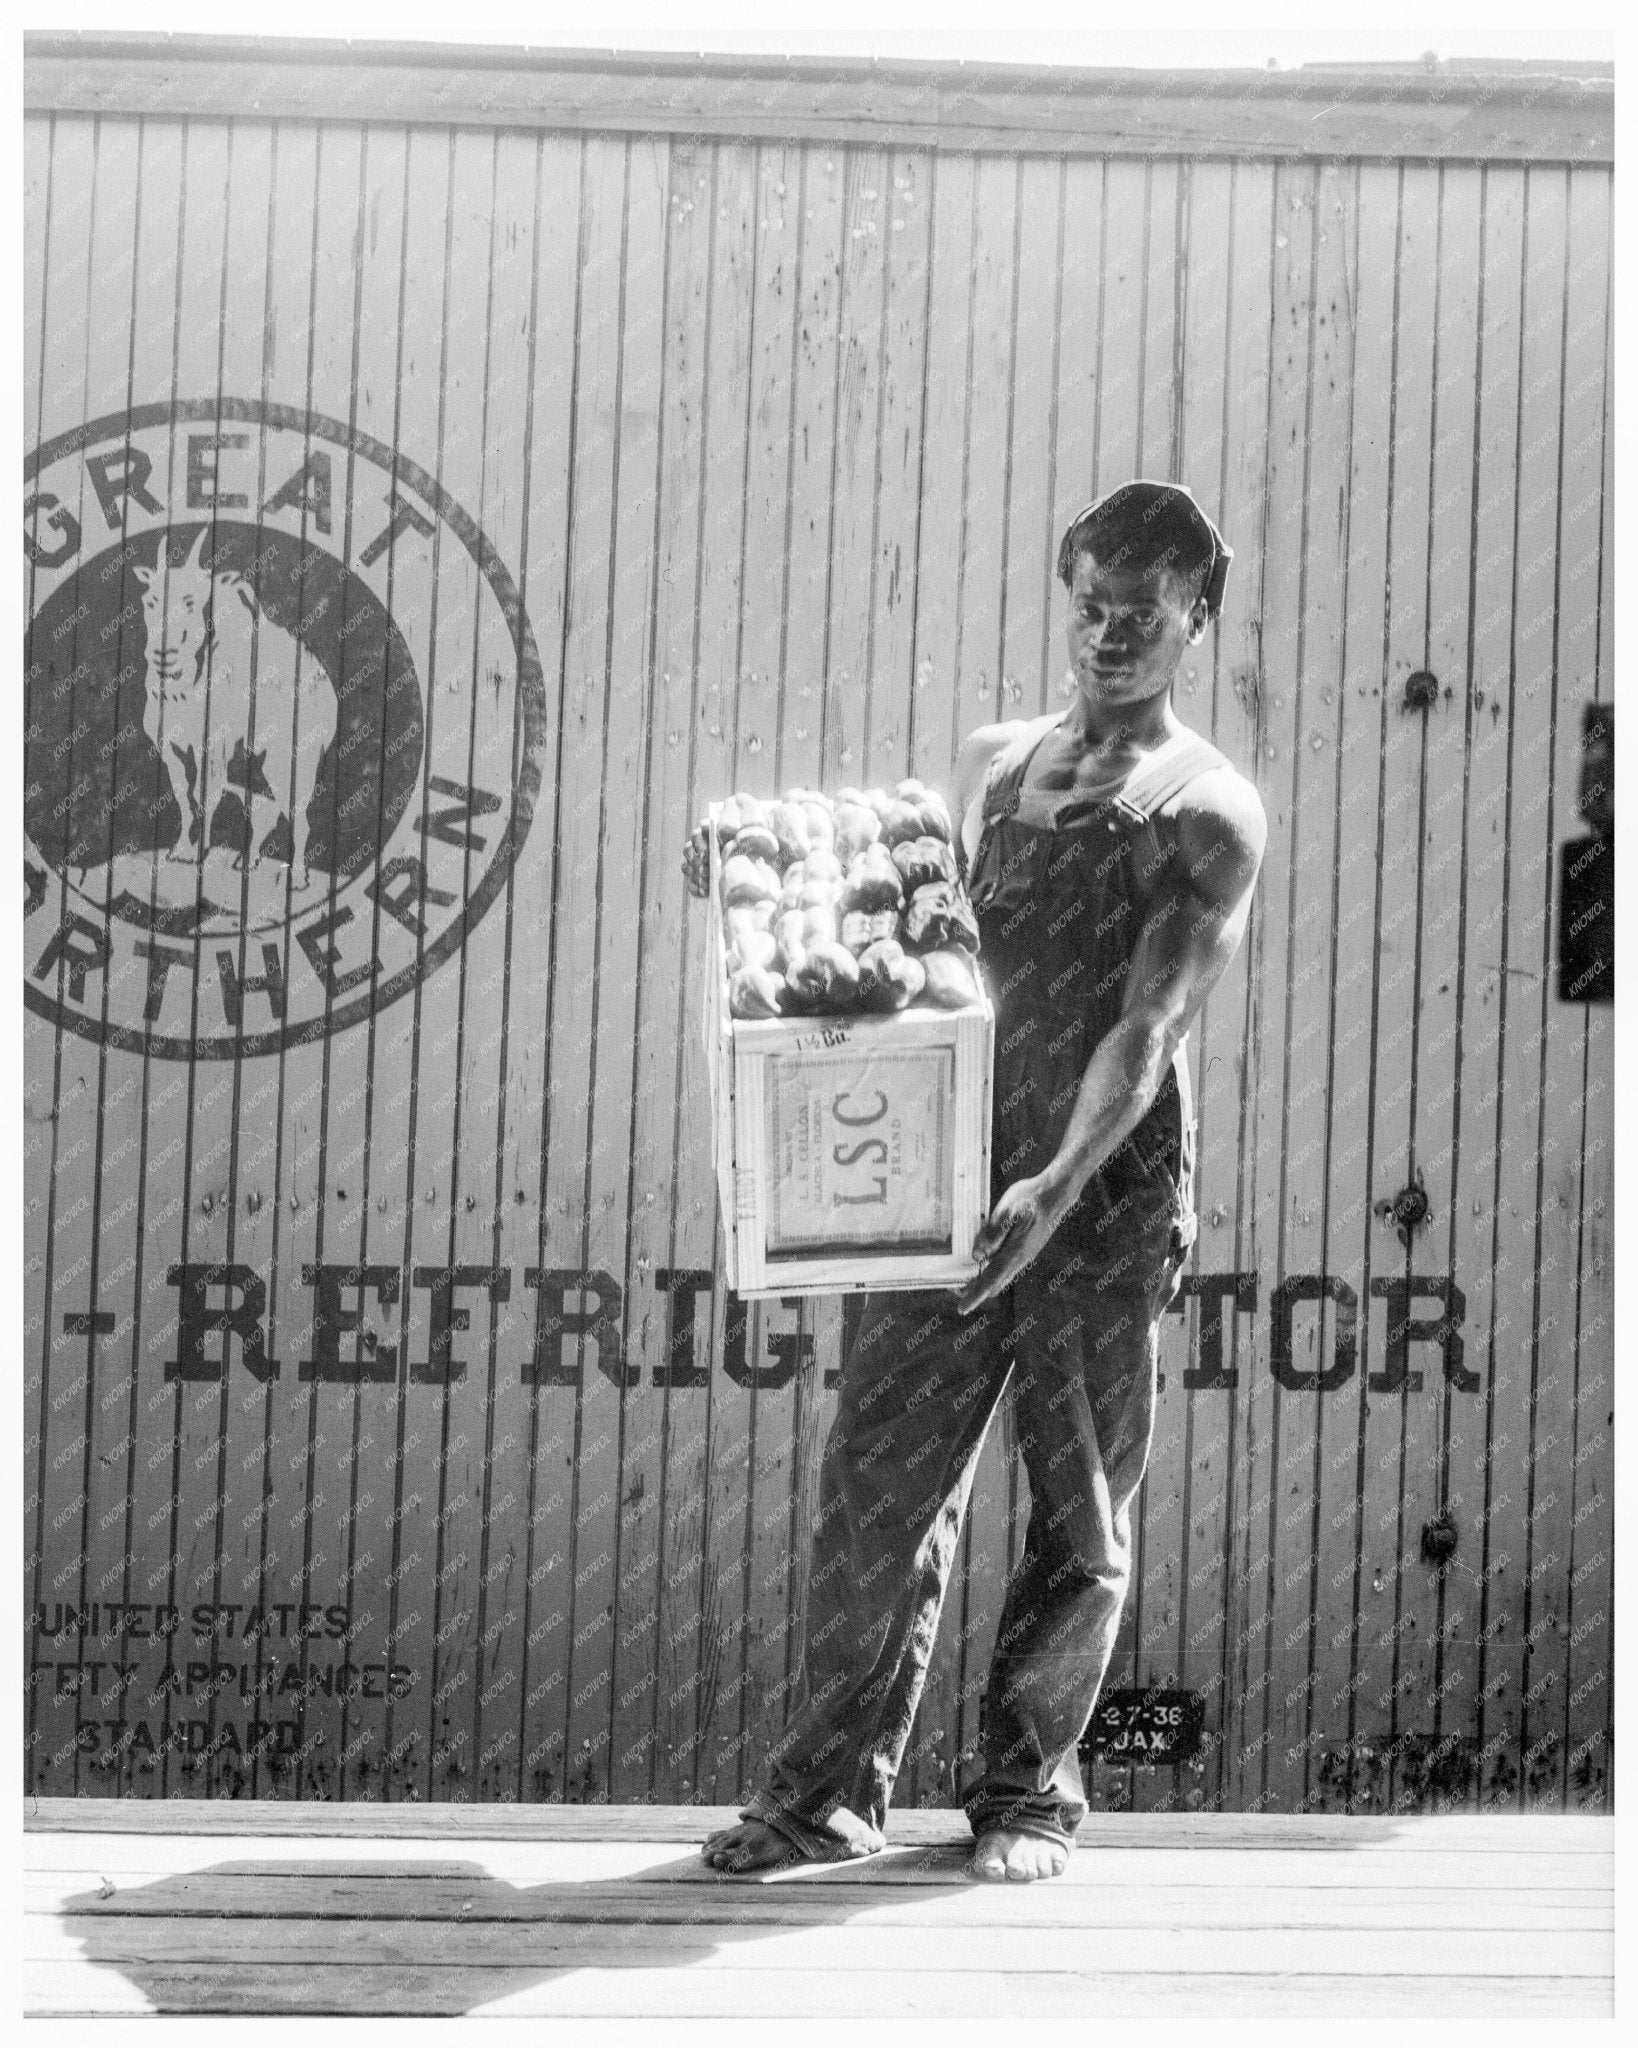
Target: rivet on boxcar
<point>1421,690</point>
<point>1408,1210</point>
<point>1439,1538</point>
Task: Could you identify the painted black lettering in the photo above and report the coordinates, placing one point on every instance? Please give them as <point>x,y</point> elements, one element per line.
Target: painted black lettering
<point>332,1319</point>
<point>43,510</point>
<point>122,473</point>
<point>552,1362</point>
<point>196,1320</point>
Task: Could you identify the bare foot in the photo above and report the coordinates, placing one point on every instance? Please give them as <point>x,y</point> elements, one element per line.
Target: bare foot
<point>1011,1856</point>
<point>750,1846</point>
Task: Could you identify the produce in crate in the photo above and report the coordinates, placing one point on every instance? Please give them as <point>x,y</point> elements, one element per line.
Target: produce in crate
<point>840,906</point>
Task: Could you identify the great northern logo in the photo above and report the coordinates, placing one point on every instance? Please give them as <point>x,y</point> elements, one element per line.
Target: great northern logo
<point>283,725</point>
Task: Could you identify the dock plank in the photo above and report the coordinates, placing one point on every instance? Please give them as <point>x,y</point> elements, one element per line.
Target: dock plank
<point>473,1895</point>
<point>838,1942</point>
<point>1557,1834</point>
<point>379,1991</point>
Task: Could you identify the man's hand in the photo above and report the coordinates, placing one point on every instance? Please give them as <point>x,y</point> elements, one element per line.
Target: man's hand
<point>1014,1233</point>
<point>696,861</point>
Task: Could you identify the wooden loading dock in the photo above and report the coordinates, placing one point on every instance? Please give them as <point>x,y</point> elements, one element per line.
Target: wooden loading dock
<point>574,441</point>
<point>295,1906</point>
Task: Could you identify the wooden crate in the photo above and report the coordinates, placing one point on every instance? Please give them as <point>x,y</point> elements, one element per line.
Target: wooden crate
<point>851,1152</point>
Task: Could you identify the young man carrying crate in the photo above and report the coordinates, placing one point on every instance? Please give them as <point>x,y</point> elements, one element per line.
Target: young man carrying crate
<point>1111,856</point>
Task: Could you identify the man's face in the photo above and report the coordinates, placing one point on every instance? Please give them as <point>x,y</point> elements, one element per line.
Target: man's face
<point>1127,630</point>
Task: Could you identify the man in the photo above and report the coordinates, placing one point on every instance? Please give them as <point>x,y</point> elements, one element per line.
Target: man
<point>1111,856</point>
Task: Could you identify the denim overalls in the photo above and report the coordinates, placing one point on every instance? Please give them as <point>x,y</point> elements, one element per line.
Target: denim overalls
<point>1051,883</point>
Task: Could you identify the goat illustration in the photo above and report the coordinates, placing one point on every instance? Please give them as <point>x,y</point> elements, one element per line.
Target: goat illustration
<point>221,675</point>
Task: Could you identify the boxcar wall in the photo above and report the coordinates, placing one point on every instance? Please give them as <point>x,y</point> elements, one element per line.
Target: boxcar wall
<point>539,450</point>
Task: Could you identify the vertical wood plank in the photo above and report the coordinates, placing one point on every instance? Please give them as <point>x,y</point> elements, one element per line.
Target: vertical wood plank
<point>978,1582</point>
<point>1354,729</point>
<point>501,1028</point>
<point>73,1675</point>
<point>1587,1619</point>
<point>1422,1766</point>
<point>898,450</point>
<point>162,1158</point>
<point>1077,285</point>
<point>1389,1163</point>
<point>320,231</point>
<point>1161,1559</point>
<point>728,1474</point>
<point>1191,1420</point>
<point>1118,453</point>
<point>38,1122</point>
<point>599,1004</point>
<point>232,1104</point>
<point>402,224</point>
<point>1307,431</point>
<point>104,1281</point>
<point>361,1397</point>
<point>1574,1129</point>
<point>1267,945</point>
<point>1227,675</point>
<point>543,581</point>
<point>1473,1246</point>
<point>668,934</point>
<point>938,722</point>
<point>1522,967</point>
<point>783,1427</point>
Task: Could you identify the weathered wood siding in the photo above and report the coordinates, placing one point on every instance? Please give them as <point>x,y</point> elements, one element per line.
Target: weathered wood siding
<point>774,439</point>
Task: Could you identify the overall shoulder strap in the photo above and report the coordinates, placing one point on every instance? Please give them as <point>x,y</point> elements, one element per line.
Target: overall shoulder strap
<point>1006,773</point>
<point>999,797</point>
<point>1168,769</point>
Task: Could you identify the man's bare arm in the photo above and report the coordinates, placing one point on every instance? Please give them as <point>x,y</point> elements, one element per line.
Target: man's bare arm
<point>972,767</point>
<point>1192,933</point>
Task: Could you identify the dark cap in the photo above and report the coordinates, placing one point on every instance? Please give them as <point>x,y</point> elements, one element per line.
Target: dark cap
<point>1148,527</point>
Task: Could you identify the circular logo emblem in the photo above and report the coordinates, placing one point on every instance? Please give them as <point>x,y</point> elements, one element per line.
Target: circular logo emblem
<point>283,725</point>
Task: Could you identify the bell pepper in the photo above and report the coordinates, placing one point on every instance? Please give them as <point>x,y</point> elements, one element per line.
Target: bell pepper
<point>889,979</point>
<point>740,810</point>
<point>788,826</point>
<point>757,842</point>
<point>924,860</point>
<point>753,949</point>
<point>747,917</point>
<point>821,820</point>
<point>929,806</point>
<point>827,976</point>
<point>940,915</point>
<point>857,827</point>
<point>820,925</point>
<point>900,821</point>
<point>862,928</point>
<point>951,981</point>
<point>788,938</point>
<point>872,882</point>
<point>755,992</point>
<point>745,880</point>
